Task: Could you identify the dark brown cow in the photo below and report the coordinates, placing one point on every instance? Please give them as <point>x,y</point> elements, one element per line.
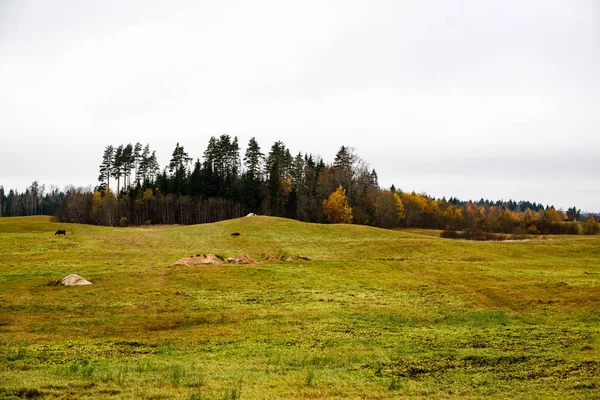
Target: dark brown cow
<point>61,232</point>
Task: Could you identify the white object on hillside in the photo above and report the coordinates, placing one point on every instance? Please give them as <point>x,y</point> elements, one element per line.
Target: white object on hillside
<point>74,280</point>
<point>251,215</point>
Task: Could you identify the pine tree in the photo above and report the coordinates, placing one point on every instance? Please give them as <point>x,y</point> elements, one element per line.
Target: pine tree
<point>35,190</point>
<point>148,166</point>
<point>220,159</point>
<point>106,166</point>
<point>277,165</point>
<point>232,170</point>
<point>374,178</point>
<point>153,167</point>
<point>196,181</point>
<point>574,214</point>
<point>251,179</point>
<point>143,165</point>
<point>179,159</point>
<point>117,166</point>
<point>253,159</point>
<point>296,179</point>
<point>128,161</point>
<point>343,170</point>
<point>230,154</point>
<point>137,159</point>
<point>209,173</point>
<point>343,158</point>
<point>308,206</point>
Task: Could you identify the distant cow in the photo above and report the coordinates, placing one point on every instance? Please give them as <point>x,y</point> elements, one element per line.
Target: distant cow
<point>61,232</point>
<point>235,234</point>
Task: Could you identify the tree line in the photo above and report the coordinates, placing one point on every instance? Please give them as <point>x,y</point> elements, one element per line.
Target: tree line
<point>133,190</point>
<point>35,200</point>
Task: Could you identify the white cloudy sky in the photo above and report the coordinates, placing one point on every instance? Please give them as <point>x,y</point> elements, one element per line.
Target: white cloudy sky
<point>492,99</point>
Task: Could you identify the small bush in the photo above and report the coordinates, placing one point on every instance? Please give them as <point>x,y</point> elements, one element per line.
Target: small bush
<point>449,233</point>
<point>475,234</point>
<point>123,222</point>
<point>472,234</point>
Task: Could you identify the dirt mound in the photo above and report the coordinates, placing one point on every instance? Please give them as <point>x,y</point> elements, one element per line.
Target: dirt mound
<point>73,280</point>
<point>214,259</point>
<point>200,259</point>
<point>241,259</point>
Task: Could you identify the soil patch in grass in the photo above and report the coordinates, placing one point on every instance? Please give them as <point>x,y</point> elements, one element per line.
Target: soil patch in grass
<point>214,259</point>
<point>200,259</point>
<point>241,259</point>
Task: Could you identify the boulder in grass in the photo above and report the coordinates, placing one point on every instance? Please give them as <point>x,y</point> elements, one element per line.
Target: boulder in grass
<point>73,280</point>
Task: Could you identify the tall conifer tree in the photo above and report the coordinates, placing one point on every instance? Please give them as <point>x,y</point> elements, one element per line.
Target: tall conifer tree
<point>106,166</point>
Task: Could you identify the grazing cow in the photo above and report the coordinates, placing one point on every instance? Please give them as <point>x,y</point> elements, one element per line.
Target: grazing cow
<point>60,232</point>
<point>235,234</point>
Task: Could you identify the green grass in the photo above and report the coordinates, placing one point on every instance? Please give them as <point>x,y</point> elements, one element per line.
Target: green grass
<point>368,313</point>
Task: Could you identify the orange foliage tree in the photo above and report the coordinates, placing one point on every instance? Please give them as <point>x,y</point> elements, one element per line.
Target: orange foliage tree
<point>336,208</point>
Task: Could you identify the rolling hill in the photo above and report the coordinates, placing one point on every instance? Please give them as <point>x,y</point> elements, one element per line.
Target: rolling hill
<point>324,311</point>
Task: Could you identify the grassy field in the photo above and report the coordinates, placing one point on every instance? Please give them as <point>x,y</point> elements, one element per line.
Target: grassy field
<point>363,313</point>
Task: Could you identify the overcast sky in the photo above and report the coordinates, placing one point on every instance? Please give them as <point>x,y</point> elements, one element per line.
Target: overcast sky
<point>471,99</point>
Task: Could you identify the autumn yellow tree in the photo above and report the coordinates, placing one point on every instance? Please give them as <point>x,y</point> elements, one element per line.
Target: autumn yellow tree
<point>389,209</point>
<point>453,216</point>
<point>104,207</point>
<point>336,208</point>
<point>414,209</point>
<point>510,221</point>
<point>553,216</point>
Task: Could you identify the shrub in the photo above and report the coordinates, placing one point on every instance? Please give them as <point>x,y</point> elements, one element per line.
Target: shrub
<point>449,233</point>
<point>532,230</point>
<point>471,234</point>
